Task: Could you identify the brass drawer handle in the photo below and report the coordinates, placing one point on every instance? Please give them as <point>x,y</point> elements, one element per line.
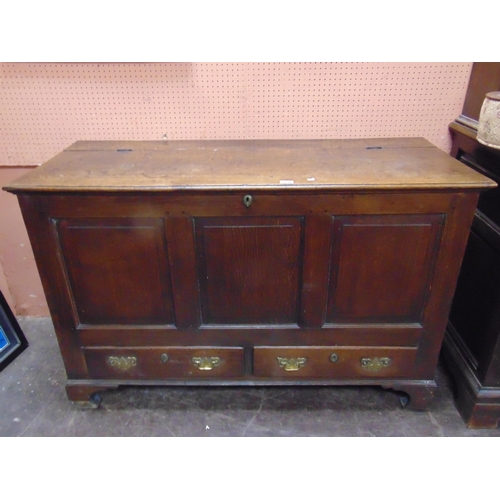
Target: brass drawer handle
<point>375,364</point>
<point>122,363</point>
<point>207,363</point>
<point>247,200</point>
<point>291,364</point>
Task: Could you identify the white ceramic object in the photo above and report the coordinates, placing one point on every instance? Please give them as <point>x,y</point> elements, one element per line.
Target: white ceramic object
<point>488,130</point>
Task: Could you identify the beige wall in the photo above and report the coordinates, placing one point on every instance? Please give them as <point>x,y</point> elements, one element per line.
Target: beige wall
<point>46,107</point>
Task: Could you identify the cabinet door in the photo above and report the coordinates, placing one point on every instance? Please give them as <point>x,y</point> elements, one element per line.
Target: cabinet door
<point>117,270</point>
<point>249,269</point>
<point>381,268</point>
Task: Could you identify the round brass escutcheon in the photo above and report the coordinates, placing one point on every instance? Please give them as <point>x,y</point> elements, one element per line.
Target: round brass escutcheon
<point>334,358</point>
<point>247,200</point>
<point>164,358</point>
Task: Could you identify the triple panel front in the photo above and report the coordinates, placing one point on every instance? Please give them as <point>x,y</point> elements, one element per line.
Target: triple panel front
<point>320,288</point>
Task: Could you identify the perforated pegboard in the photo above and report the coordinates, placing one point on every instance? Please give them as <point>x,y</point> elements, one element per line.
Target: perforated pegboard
<point>46,107</point>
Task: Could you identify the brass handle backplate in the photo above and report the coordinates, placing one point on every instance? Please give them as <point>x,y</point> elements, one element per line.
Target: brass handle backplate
<point>123,363</point>
<point>206,363</point>
<point>291,364</point>
<point>375,364</point>
<point>247,200</point>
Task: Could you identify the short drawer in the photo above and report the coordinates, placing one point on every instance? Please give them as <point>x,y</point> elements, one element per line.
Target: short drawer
<point>334,362</point>
<point>164,362</point>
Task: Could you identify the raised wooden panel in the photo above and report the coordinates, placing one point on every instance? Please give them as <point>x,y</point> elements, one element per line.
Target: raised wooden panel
<point>249,269</point>
<point>382,267</point>
<point>117,270</point>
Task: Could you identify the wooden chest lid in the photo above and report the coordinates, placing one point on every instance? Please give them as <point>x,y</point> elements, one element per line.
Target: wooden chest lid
<point>346,164</point>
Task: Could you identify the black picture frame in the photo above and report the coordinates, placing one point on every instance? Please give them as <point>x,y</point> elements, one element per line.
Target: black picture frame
<point>12,339</point>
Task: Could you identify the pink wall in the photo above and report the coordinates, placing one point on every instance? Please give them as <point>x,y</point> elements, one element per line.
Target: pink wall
<point>4,287</point>
<point>46,107</point>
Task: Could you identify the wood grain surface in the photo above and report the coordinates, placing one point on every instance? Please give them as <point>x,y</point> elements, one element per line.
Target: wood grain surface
<point>374,164</point>
<point>151,254</point>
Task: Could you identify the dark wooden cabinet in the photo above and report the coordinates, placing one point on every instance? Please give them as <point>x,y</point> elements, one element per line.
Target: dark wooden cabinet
<point>472,343</point>
<point>250,262</point>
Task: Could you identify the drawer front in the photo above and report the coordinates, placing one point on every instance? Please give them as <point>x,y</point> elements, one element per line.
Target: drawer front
<point>334,362</point>
<point>164,362</point>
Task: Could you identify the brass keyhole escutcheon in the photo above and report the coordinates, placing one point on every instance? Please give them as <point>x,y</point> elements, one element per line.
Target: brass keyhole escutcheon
<point>164,357</point>
<point>334,358</point>
<point>247,200</point>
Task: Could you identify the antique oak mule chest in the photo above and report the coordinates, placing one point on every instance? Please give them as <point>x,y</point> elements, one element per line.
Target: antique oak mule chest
<point>250,262</point>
